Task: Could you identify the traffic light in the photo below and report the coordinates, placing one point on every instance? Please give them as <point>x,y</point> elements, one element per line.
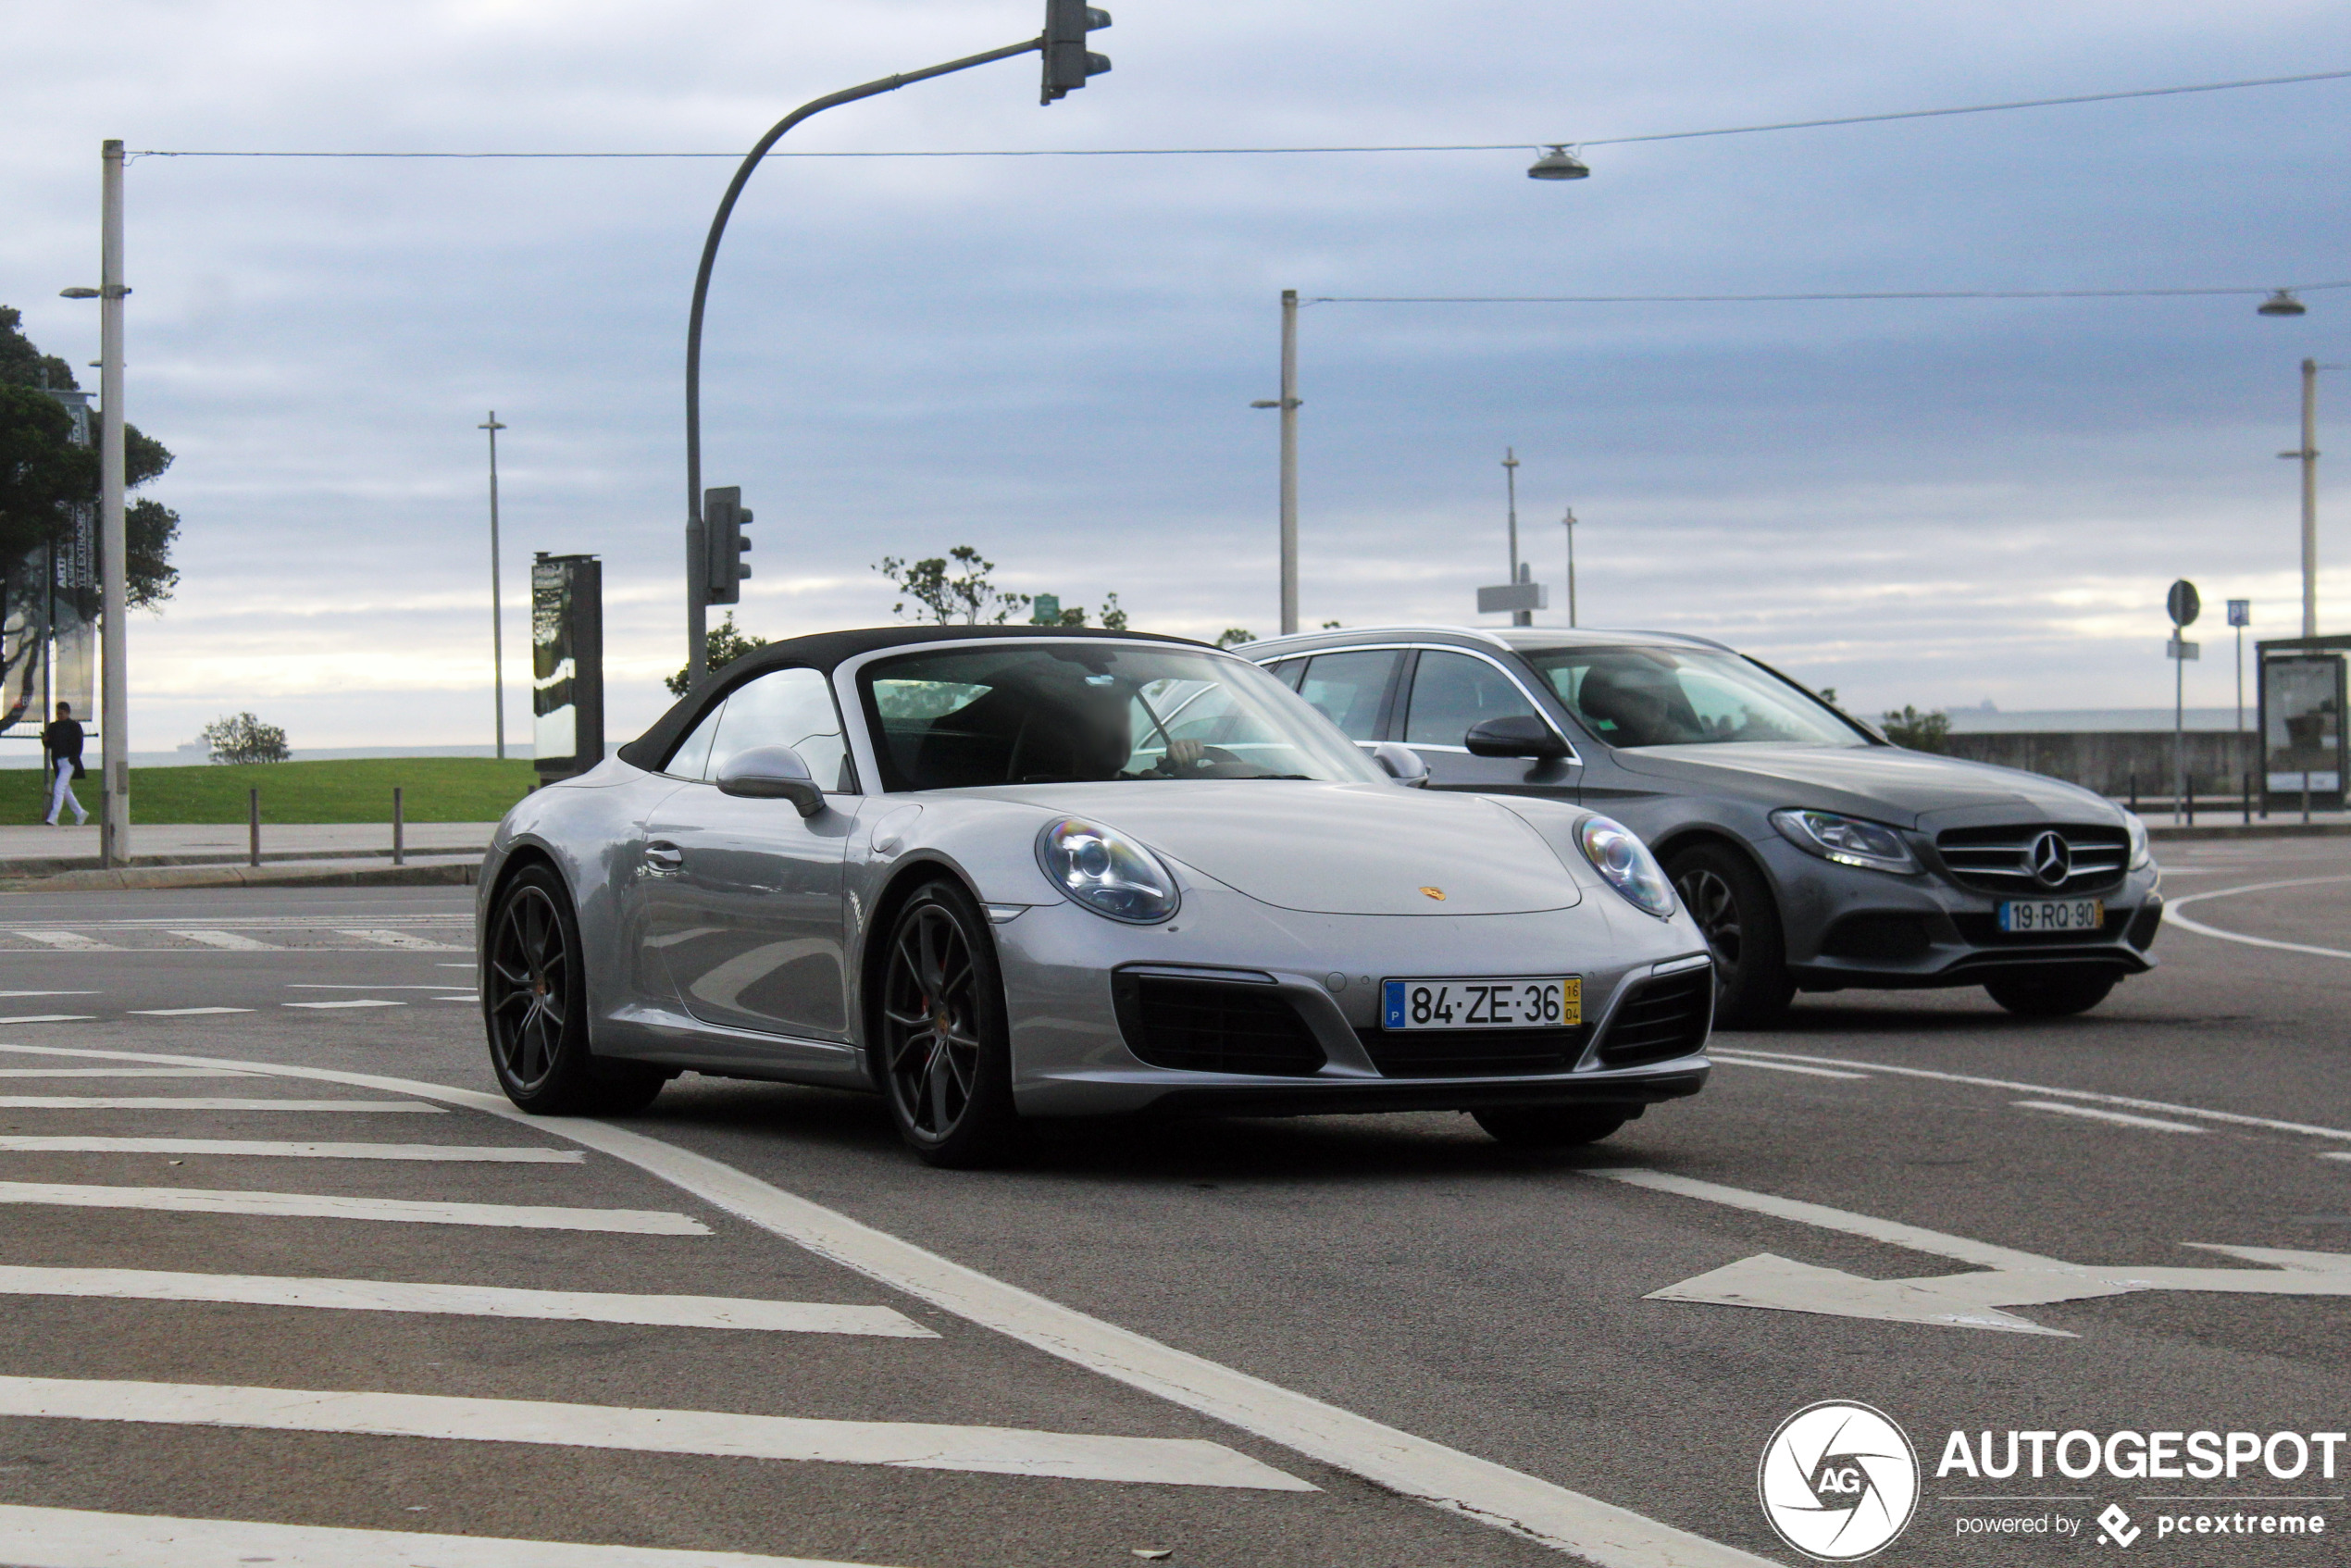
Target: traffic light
<point>1067,65</point>
<point>723,518</point>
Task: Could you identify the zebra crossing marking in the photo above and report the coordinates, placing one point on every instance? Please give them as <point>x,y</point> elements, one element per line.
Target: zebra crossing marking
<point>182,1012</point>
<point>227,941</point>
<point>67,942</point>
<point>908,1445</point>
<point>335,1206</point>
<point>403,939</point>
<point>324,1006</point>
<point>466,1300</point>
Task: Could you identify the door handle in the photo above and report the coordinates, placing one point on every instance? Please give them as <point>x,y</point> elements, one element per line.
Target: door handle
<point>665,857</point>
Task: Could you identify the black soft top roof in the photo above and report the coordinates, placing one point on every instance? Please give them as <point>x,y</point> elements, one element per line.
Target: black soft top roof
<point>824,651</point>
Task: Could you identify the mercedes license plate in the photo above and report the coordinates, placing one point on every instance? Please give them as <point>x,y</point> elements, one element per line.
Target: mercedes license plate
<point>2052,914</point>
<point>1547,1001</point>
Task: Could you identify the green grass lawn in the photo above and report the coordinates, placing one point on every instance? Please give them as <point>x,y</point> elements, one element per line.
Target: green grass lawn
<point>359,790</point>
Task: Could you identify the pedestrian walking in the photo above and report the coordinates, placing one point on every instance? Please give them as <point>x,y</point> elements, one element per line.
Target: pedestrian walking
<point>62,740</point>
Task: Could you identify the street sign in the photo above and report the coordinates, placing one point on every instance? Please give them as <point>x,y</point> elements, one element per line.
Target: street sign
<point>2183,602</point>
<point>1513,596</point>
<point>2240,612</point>
<point>2176,649</point>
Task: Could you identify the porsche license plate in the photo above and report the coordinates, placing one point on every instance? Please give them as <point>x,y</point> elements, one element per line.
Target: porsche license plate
<point>2052,914</point>
<point>1546,1001</point>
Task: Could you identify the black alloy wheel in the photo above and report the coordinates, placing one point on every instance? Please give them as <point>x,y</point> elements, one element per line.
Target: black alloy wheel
<point>1548,1126</point>
<point>534,1003</point>
<point>1732,905</point>
<point>945,1054</point>
<point>2059,991</point>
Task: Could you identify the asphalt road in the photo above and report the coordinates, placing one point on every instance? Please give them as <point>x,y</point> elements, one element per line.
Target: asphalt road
<point>1405,1269</point>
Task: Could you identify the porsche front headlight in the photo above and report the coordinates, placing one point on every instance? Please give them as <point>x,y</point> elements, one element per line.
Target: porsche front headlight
<point>1625,863</point>
<point>1106,871</point>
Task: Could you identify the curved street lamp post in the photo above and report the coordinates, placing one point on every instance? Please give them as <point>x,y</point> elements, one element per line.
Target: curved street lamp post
<point>1067,67</point>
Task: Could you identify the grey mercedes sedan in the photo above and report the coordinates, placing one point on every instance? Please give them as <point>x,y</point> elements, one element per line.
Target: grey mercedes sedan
<point>1816,855</point>
<point>999,875</point>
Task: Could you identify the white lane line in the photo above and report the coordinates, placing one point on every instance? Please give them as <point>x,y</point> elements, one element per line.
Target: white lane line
<point>227,941</point>
<point>1893,1232</point>
<point>51,993</point>
<point>182,1012</point>
<point>14,1143</point>
<point>2231,1117</point>
<point>404,939</point>
<point>194,1103</point>
<point>51,1018</point>
<point>1444,1477</point>
<point>63,1538</point>
<point>66,941</point>
<point>332,1206</point>
<point>2172,917</point>
<point>469,1300</point>
<point>1786,1067</point>
<point>124,1073</point>
<point>1000,1451</point>
<point>2120,1117</point>
<point>457,998</point>
<point>322,985</point>
<point>324,1005</point>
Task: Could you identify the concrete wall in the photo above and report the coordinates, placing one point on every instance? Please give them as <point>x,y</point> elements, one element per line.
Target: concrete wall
<point>2106,761</point>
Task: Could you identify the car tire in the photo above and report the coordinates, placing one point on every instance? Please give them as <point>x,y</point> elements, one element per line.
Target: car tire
<point>1547,1126</point>
<point>534,1006</point>
<point>1734,907</point>
<point>943,1048</point>
<point>2059,991</point>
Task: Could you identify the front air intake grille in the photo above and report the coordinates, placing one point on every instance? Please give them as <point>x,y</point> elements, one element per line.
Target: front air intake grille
<point>1471,1053</point>
<point>1662,1019</point>
<point>1214,1027</point>
<point>2020,862</point>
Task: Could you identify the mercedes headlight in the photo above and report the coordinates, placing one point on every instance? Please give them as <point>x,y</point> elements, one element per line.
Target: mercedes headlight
<point>1625,863</point>
<point>1106,871</point>
<point>1849,841</point>
<point>2142,852</point>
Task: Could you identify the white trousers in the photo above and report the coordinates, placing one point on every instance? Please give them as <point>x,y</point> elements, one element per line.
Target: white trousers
<point>61,793</point>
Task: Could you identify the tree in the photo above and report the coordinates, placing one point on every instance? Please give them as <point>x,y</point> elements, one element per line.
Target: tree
<point>968,596</point>
<point>1919,732</point>
<point>244,738</point>
<point>1234,636</point>
<point>723,646</point>
<point>36,435</point>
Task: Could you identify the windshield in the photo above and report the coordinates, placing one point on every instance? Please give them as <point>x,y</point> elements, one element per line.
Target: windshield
<point>1062,712</point>
<point>1677,697</point>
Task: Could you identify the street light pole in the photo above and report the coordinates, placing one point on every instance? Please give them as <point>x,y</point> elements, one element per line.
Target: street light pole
<point>497,629</point>
<point>114,821</point>
<point>1287,402</point>
<point>1510,477</point>
<point>1570,521</point>
<point>2309,456</point>
<point>697,563</point>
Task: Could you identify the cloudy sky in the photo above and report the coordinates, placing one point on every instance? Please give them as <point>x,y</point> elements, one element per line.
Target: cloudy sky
<point>1051,358</point>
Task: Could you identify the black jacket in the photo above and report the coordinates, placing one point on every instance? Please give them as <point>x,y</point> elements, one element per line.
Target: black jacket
<point>63,739</point>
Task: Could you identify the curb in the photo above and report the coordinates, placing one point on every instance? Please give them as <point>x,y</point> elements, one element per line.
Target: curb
<point>2251,831</point>
<point>35,867</point>
<point>446,874</point>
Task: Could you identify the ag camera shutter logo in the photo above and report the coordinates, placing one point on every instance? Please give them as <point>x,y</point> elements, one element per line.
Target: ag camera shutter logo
<point>1838,1481</point>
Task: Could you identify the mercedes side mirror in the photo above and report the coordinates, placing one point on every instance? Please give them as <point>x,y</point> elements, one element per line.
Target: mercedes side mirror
<point>772,773</point>
<point>1518,735</point>
<point>1401,764</point>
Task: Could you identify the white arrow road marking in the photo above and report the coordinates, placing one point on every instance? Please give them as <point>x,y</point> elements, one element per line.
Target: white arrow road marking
<point>2121,1118</point>
<point>470,1301</point>
<point>1447,1478</point>
<point>64,1537</point>
<point>2172,917</point>
<point>1957,1301</point>
<point>332,1206</point>
<point>999,1450</point>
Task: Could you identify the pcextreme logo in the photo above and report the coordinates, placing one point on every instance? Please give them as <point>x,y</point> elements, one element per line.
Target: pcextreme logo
<point>1838,1481</point>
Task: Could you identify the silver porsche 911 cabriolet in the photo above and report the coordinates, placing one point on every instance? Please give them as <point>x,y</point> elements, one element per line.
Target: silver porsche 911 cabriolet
<point>1001,875</point>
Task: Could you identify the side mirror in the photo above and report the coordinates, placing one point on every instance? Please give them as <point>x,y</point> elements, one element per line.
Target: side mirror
<point>772,773</point>
<point>1518,735</point>
<point>1401,764</point>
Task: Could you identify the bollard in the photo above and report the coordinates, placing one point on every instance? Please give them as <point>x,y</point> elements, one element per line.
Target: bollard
<point>2306,797</point>
<point>399,847</point>
<point>2244,781</point>
<point>253,808</point>
<point>2188,794</point>
<point>2134,794</point>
